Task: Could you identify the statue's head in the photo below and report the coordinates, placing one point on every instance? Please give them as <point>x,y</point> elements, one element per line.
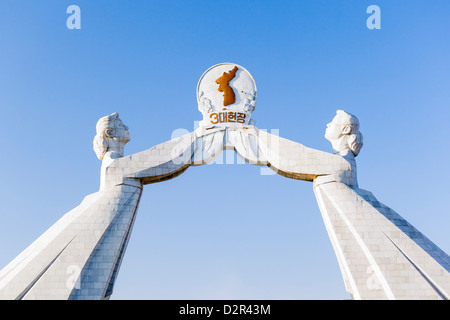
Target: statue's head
<point>112,135</point>
<point>343,133</point>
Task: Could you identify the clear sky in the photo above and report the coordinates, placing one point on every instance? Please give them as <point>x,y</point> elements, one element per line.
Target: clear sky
<point>223,231</point>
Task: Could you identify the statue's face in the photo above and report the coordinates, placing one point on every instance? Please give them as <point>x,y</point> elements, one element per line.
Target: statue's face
<point>334,128</point>
<point>121,131</point>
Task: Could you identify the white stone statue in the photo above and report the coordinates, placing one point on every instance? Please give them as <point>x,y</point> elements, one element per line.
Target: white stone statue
<point>112,135</point>
<point>380,254</point>
<point>80,255</point>
<point>343,133</point>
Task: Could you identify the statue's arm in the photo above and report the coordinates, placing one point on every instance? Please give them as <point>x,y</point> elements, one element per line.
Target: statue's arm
<point>294,160</point>
<point>163,161</point>
<point>158,163</point>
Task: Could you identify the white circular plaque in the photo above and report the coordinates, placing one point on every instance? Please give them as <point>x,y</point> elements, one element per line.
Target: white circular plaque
<point>242,83</point>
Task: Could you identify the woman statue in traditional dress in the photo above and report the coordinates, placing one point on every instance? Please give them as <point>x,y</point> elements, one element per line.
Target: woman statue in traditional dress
<point>80,255</point>
<point>381,255</point>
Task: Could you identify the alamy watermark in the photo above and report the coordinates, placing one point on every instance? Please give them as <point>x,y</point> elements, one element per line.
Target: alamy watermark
<point>73,280</point>
<point>374,20</point>
<point>74,20</point>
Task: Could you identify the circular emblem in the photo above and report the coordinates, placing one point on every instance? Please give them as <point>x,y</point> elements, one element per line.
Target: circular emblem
<point>226,86</point>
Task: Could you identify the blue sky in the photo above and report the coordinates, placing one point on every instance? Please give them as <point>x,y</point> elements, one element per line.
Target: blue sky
<point>223,231</point>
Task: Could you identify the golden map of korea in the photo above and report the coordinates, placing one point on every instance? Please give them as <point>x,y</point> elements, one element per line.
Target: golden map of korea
<point>223,81</point>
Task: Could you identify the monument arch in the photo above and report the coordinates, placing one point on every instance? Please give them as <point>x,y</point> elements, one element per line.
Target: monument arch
<point>380,254</point>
